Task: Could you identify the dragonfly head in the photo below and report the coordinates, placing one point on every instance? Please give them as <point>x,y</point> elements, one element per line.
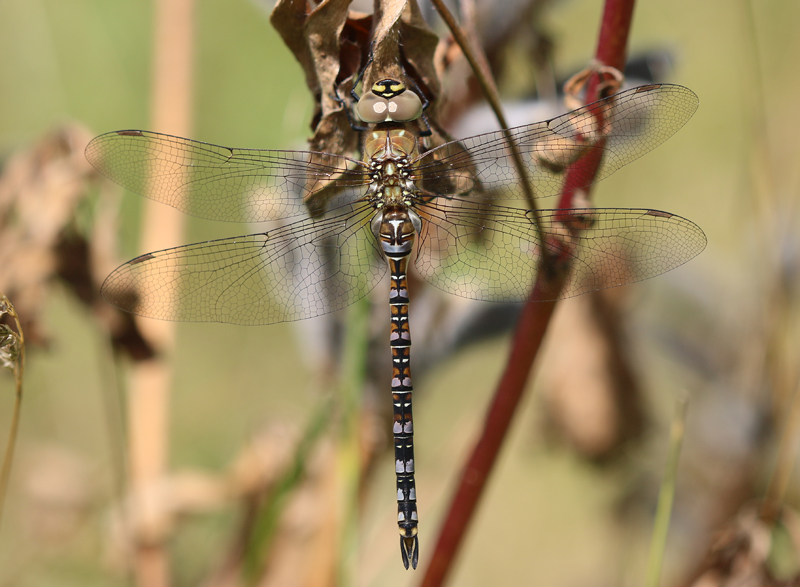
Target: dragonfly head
<point>388,88</point>
<point>389,100</point>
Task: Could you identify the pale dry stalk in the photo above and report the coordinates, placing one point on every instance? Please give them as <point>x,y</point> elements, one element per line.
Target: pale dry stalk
<point>162,227</point>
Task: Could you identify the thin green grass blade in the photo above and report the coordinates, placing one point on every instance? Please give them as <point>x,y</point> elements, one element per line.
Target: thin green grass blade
<point>666,496</point>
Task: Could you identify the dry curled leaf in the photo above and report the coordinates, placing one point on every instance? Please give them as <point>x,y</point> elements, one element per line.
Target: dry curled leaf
<point>41,191</point>
<point>739,555</point>
<point>308,34</point>
<point>10,348</point>
<point>594,401</point>
<point>399,42</point>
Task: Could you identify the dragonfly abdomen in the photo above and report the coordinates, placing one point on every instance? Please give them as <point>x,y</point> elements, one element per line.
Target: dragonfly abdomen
<point>403,425</point>
<point>396,227</point>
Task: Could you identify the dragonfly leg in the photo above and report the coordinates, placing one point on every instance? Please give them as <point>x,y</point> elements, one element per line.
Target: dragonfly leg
<point>370,57</point>
<point>425,130</point>
<point>348,110</point>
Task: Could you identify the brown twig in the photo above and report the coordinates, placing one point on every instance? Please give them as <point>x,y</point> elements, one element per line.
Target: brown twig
<point>617,16</point>
<point>478,63</point>
<point>776,365</point>
<point>787,454</point>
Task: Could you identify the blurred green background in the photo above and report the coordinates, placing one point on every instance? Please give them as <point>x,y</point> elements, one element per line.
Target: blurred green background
<point>548,516</point>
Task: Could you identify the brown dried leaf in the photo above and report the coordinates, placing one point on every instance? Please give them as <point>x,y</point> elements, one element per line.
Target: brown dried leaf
<point>593,399</point>
<point>331,44</point>
<point>402,38</point>
<point>738,556</point>
<point>40,191</point>
<point>386,42</point>
<point>334,135</point>
<point>314,38</point>
<point>419,44</point>
<point>322,30</point>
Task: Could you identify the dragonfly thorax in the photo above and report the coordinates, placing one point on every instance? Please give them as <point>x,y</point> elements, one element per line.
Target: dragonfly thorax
<point>391,185</point>
<point>395,142</point>
<point>389,152</point>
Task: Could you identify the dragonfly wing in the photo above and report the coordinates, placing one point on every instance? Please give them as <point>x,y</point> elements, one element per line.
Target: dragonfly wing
<point>491,253</point>
<point>634,122</point>
<point>301,270</point>
<point>219,183</point>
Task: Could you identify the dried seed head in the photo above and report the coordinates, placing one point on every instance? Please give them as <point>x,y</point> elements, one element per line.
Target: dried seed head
<point>10,346</point>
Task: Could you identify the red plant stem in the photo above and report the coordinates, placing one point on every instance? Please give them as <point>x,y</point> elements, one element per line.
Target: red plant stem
<point>612,43</point>
<point>532,325</point>
<point>527,340</point>
<point>612,51</point>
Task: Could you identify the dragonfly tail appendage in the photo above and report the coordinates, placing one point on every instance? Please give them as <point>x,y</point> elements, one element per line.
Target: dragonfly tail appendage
<point>409,548</point>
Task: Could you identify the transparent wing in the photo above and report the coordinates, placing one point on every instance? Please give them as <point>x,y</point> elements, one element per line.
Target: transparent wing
<point>301,270</point>
<point>491,253</point>
<point>634,122</point>
<point>219,183</point>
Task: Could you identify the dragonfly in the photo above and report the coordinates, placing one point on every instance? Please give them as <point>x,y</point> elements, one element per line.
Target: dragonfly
<point>452,208</point>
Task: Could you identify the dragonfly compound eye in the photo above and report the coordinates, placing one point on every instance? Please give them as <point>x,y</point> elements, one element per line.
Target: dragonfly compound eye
<point>373,109</point>
<point>407,106</point>
<point>389,100</point>
<point>402,108</point>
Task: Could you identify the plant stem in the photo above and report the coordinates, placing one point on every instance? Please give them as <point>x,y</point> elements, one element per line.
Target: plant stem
<point>151,380</point>
<point>535,318</point>
<point>787,453</point>
<point>479,64</point>
<point>666,496</point>
<point>19,372</point>
<point>354,359</point>
<point>527,340</point>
